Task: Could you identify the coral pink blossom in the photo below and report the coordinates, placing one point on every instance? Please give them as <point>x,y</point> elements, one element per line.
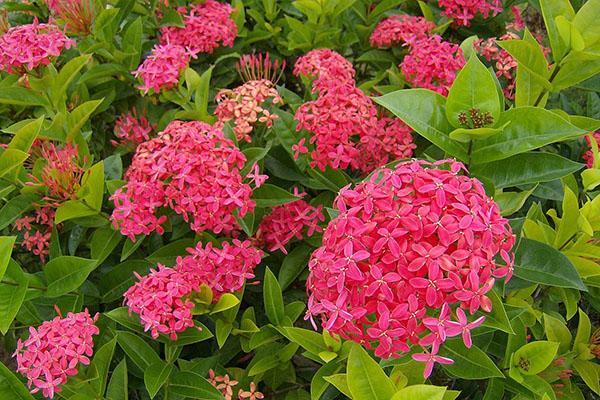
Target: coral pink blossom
<point>400,29</point>
<point>408,244</point>
<point>163,299</point>
<point>26,47</point>
<point>53,351</point>
<point>504,64</point>
<point>297,219</point>
<point>163,67</point>
<point>326,67</point>
<point>246,105</point>
<point>191,168</point>
<point>36,237</point>
<point>207,26</point>
<point>132,129</point>
<point>588,156</point>
<point>432,64</point>
<point>463,11</point>
<point>77,15</point>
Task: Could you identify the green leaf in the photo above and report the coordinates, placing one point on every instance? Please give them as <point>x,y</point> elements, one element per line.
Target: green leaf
<point>420,392</point>
<point>72,209</point>
<point>11,387</point>
<point>270,195</point>
<point>103,242</point>
<point>66,75</point>
<point>309,340</point>
<point>19,96</point>
<point>273,298</point>
<point>101,364</point>
<point>567,226</point>
<point>137,350</point>
<point>569,34</point>
<point>465,135</point>
<point>155,376</point>
<point>534,357</point>
<point>539,263</point>
<point>190,384</point>
<point>511,202</point>
<point>26,135</point>
<point>293,264</point>
<point>530,57</point>
<point>470,363</point>
<point>92,186</point>
<point>425,112</point>
<point>67,273</point>
<point>77,118</point>
<point>15,207</point>
<point>6,247</point>
<point>366,379</point>
<point>167,254</point>
<point>132,44</point>
<point>12,296</point>
<point>340,381</point>
<point>576,67</point>
<point>473,88</point>
<point>528,128</point>
<point>590,373</point>
<point>525,169</point>
<point>550,10</point>
<point>227,301</point>
<point>497,318</point>
<point>10,162</point>
<point>557,331</point>
<point>584,329</point>
<point>586,22</point>
<point>118,386</point>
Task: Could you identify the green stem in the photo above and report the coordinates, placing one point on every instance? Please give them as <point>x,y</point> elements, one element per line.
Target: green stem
<point>40,288</point>
<point>544,91</point>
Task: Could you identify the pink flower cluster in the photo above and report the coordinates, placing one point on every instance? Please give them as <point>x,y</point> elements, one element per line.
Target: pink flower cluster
<point>245,105</point>
<point>77,15</point>
<point>61,175</point>
<point>164,298</point>
<point>191,168</point>
<point>36,239</point>
<point>588,156</point>
<point>343,121</point>
<point>432,63</point>
<point>400,29</point>
<point>162,68</point>
<point>289,221</point>
<point>463,11</point>
<point>26,47</point>
<point>504,63</point>
<point>132,129</point>
<point>225,385</point>
<point>408,244</point>
<point>207,26</point>
<point>53,351</point>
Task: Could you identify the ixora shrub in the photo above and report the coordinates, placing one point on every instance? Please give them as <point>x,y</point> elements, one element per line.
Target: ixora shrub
<point>308,199</point>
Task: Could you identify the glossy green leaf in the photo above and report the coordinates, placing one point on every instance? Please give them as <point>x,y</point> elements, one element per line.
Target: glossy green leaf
<point>534,357</point>
<point>584,328</point>
<point>103,242</point>
<point>155,376</point>
<point>470,363</point>
<point>67,273</point>
<point>309,340</point>
<point>466,135</point>
<point>226,302</point>
<point>116,281</point>
<point>137,350</point>
<point>497,318</point>
<point>586,22</point>
<point>270,195</point>
<point>366,379</point>
<point>13,295</point>
<point>590,373</point>
<point>15,207</point>
<point>420,392</point>
<point>551,9</point>
<point>273,298</point>
<point>293,265</point>
<point>191,385</point>
<point>118,386</point>
<point>100,366</point>
<point>11,387</point>
<point>557,331</point>
<point>6,247</point>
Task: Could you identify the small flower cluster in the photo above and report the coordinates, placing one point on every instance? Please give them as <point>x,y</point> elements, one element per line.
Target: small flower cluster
<point>61,175</point>
<point>463,11</point>
<point>26,47</point>
<point>162,68</point>
<point>191,168</point>
<point>588,156</point>
<point>245,105</point>
<point>343,121</point>
<point>289,221</point>
<point>36,239</point>
<point>132,129</point>
<point>408,244</point>
<point>225,385</point>
<point>53,351</point>
<point>401,29</point>
<point>77,15</point>
<point>208,25</point>
<point>164,298</point>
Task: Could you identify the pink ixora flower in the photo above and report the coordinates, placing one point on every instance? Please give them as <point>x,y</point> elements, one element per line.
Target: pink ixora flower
<point>132,129</point>
<point>163,67</point>
<point>401,29</point>
<point>588,156</point>
<point>37,230</point>
<point>53,351</point>
<point>326,67</point>
<point>190,168</point>
<point>432,64</point>
<point>26,47</point>
<point>163,299</point>
<point>411,247</point>
<point>207,26</point>
<point>463,11</point>
<point>77,15</point>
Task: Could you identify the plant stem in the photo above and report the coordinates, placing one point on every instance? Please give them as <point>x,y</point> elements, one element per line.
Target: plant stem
<point>40,288</point>
<point>543,92</point>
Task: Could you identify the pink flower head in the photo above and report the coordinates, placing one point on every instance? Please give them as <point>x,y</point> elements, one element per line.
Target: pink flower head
<point>463,11</point>
<point>326,67</point>
<point>297,219</point>
<point>432,64</point>
<point>254,67</point>
<point>504,64</point>
<point>131,129</point>
<point>77,15</point>
<point>401,29</point>
<point>430,358</point>
<point>163,67</point>
<point>408,244</point>
<point>246,106</point>
<point>26,47</point>
<point>37,230</point>
<point>190,168</point>
<point>391,141</point>
<point>53,351</point>
<point>163,298</point>
<point>588,156</point>
<point>208,25</point>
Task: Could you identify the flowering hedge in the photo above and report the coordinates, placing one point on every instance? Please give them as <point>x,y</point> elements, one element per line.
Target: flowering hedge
<point>309,199</point>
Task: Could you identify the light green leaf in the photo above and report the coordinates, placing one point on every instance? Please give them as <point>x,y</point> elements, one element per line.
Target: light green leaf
<point>227,301</point>
<point>11,387</point>
<point>6,247</point>
<point>103,242</point>
<point>192,385</point>
<point>340,381</point>
<point>420,392</point>
<point>100,365</point>
<point>470,363</point>
<point>273,298</point>
<point>270,195</point>
<point>590,373</point>
<point>366,379</point>
<point>66,274</point>
<point>586,22</point>
<point>309,340</point>
<point>534,357</point>
<point>12,296</point>
<point>584,329</point>
<point>557,331</point>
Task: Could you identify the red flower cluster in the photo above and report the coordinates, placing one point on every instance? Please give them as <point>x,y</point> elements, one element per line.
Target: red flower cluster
<point>346,132</point>
<point>162,68</point>
<point>208,25</point>
<point>77,15</point>
<point>289,221</point>
<point>588,157</point>
<point>164,298</point>
<point>400,29</point>
<point>37,239</point>
<point>505,64</point>
<point>191,168</point>
<point>463,11</point>
<point>406,245</point>
<point>132,130</point>
<point>53,351</point>
<point>26,47</point>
